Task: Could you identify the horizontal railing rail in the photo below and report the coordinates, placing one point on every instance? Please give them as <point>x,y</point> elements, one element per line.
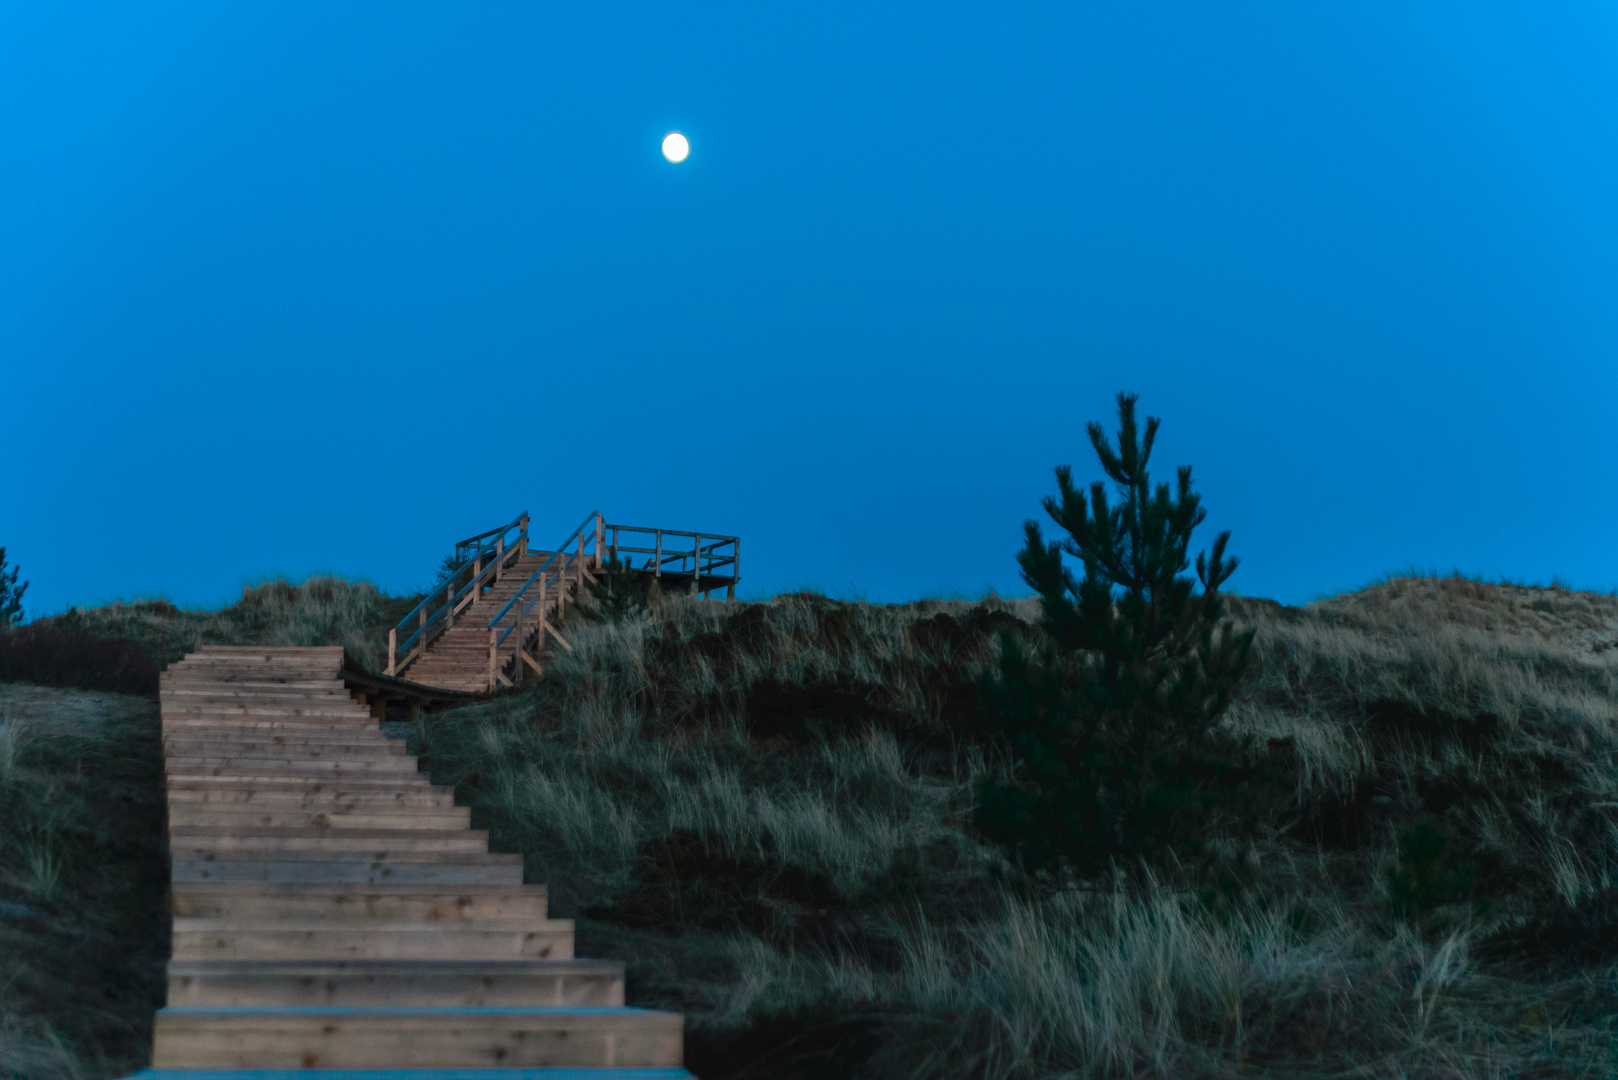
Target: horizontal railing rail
<point>488,542</point>
<point>711,560</point>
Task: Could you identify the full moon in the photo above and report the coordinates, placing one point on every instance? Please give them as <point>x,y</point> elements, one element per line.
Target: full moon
<point>675,147</point>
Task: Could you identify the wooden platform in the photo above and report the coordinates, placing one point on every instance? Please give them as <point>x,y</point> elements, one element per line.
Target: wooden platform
<point>336,917</point>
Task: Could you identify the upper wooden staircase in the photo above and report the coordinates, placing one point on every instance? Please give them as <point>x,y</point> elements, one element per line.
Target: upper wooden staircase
<point>499,614</point>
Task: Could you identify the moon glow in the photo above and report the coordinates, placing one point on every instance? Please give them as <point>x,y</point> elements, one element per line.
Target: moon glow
<point>675,147</point>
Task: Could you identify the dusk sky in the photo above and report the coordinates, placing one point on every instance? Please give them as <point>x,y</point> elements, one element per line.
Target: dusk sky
<point>310,287</point>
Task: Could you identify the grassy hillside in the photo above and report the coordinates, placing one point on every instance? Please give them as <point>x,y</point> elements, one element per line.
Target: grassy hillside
<point>764,809</point>
<point>83,875</point>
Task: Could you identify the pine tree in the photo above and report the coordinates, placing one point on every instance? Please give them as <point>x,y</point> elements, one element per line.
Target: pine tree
<point>10,594</point>
<point>619,591</point>
<point>1113,712</point>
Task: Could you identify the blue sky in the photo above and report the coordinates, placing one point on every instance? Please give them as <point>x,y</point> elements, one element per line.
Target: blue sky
<point>303,287</point>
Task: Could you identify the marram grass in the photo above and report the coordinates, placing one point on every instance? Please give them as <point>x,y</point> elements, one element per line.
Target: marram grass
<point>765,809</point>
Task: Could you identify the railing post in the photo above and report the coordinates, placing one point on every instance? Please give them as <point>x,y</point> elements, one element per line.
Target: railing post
<point>541,641</point>
<point>449,609</point>
<point>522,537</point>
<point>393,646</point>
<point>735,567</point>
<point>491,658</point>
<point>477,572</point>
<point>657,570</point>
<point>599,532</point>
<point>522,647</point>
<point>696,564</point>
<point>499,557</point>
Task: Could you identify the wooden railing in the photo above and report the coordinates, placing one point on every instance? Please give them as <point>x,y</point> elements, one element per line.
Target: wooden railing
<point>480,560</point>
<point>547,586</point>
<point>711,562</point>
<point>698,562</point>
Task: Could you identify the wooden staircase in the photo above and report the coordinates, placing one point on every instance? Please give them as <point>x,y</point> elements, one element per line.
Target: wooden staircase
<point>462,658</point>
<point>497,615</point>
<point>334,911</point>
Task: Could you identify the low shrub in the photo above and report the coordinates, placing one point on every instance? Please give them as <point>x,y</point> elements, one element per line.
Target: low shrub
<point>48,654</point>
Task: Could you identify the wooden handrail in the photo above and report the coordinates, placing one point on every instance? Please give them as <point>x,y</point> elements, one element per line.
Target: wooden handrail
<point>429,623</point>
<point>545,568</point>
<point>714,561</point>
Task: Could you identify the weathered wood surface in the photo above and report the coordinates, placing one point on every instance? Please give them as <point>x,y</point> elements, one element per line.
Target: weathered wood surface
<point>333,909</point>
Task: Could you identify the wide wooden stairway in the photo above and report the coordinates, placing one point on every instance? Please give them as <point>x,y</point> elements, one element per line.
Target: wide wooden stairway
<point>335,913</point>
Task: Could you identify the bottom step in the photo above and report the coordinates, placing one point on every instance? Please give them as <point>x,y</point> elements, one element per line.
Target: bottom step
<point>438,1038</point>
<point>564,1073</point>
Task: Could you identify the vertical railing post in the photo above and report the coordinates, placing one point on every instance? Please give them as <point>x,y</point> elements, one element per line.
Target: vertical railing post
<point>492,647</point>
<point>477,572</point>
<point>696,564</point>
<point>541,641</point>
<point>735,567</point>
<point>657,568</point>
<point>393,647</point>
<point>449,609</point>
<point>522,647</point>
<point>522,537</point>
<point>499,557</point>
<point>599,531</point>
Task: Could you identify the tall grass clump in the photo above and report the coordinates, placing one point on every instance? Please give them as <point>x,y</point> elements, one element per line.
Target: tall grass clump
<point>83,873</point>
<point>765,809</point>
<point>101,648</point>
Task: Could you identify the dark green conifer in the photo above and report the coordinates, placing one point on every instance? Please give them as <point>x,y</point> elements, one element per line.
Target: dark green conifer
<point>618,591</point>
<point>10,594</point>
<point>1114,711</point>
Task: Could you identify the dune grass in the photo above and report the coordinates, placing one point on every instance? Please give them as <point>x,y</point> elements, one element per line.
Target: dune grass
<point>83,875</point>
<point>764,809</point>
<point>74,648</point>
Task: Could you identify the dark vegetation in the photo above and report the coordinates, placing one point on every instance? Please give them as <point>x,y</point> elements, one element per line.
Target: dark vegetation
<point>767,810</point>
<point>10,593</point>
<point>1114,714</point>
<point>83,875</point>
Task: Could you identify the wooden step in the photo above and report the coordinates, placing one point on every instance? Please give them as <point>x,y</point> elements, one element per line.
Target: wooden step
<point>453,869</point>
<point>372,939</point>
<point>188,841</point>
<point>315,1038</point>
<point>347,726</point>
<point>250,681</point>
<point>212,746</point>
<point>237,734</point>
<point>393,817</point>
<point>267,712</point>
<point>280,794</point>
<point>305,903</point>
<point>312,768</point>
<point>178,686</point>
<point>394,983</point>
